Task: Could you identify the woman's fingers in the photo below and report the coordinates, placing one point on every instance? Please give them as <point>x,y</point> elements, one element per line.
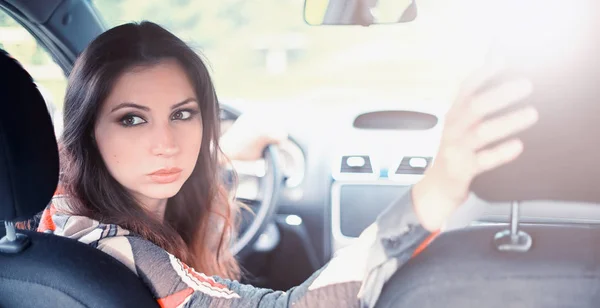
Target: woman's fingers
<point>499,155</point>
<point>475,81</point>
<point>501,127</point>
<point>491,101</point>
<point>500,97</point>
<point>470,127</point>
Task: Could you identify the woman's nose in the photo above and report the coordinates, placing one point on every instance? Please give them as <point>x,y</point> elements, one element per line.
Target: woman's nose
<point>164,142</point>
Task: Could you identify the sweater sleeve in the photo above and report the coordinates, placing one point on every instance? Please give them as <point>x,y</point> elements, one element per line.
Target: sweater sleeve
<point>391,240</point>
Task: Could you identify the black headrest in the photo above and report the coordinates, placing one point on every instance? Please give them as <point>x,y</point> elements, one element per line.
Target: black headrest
<point>28,149</point>
<point>557,48</point>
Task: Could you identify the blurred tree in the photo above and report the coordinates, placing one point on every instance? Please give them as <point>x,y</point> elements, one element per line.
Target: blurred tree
<point>209,22</point>
<point>7,21</point>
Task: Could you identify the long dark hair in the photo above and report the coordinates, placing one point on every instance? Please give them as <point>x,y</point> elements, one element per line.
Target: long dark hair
<point>198,219</point>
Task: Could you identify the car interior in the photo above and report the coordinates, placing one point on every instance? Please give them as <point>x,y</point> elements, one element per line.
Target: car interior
<point>536,242</point>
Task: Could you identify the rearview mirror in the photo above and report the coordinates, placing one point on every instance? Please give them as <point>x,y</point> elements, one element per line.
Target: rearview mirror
<point>359,12</point>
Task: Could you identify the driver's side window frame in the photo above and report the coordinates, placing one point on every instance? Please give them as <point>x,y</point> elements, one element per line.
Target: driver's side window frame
<point>38,61</point>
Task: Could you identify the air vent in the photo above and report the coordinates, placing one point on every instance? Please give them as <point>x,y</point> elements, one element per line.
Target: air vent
<point>356,164</point>
<point>396,119</point>
<point>413,165</point>
<point>355,167</point>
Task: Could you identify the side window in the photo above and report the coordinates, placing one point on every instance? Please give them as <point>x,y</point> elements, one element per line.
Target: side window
<point>49,77</point>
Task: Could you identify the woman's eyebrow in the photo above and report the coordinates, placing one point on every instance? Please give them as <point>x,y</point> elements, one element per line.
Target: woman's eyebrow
<point>132,105</point>
<point>186,101</point>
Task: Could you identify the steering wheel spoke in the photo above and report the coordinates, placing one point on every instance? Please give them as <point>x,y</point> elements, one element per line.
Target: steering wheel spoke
<point>259,183</point>
<point>250,168</point>
<point>249,189</point>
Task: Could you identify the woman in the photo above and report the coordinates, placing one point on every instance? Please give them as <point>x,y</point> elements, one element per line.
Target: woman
<point>140,154</point>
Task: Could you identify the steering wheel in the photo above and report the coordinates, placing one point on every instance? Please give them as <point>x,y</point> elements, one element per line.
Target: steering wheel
<point>269,187</point>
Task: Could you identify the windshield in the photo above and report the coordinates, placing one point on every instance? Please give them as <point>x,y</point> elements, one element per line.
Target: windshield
<point>262,50</point>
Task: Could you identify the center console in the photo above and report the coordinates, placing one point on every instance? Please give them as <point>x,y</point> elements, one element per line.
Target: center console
<point>363,187</point>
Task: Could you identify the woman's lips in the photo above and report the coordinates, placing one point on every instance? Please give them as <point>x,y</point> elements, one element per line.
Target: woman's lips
<point>165,176</point>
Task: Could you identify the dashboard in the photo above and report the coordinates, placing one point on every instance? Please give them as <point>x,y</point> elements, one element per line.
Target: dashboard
<point>347,168</point>
<point>343,164</point>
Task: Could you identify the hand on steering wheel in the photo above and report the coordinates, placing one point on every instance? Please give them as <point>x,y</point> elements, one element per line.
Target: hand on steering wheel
<point>249,138</point>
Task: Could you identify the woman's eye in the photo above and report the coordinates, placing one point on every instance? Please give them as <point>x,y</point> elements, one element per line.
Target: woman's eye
<point>131,120</point>
<point>181,115</point>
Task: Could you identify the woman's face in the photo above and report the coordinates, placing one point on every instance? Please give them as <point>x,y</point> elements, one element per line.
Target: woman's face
<point>149,131</point>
